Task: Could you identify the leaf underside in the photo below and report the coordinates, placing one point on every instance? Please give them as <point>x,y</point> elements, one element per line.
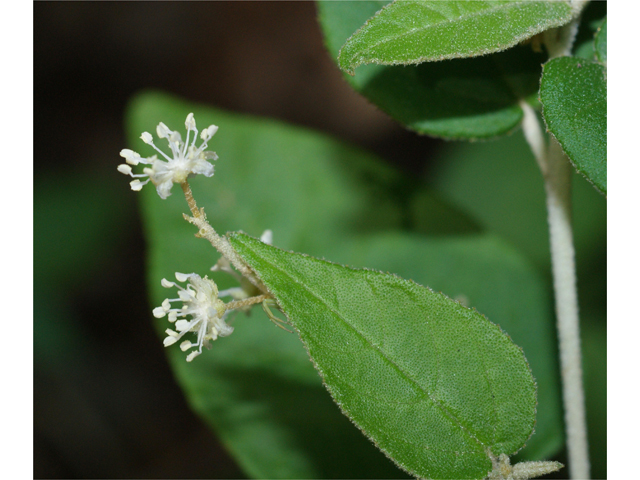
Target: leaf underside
<point>435,385</point>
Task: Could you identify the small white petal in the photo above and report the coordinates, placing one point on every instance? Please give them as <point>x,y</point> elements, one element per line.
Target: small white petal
<point>169,341</point>
<point>146,138</point>
<point>186,295</point>
<point>192,355</point>
<point>267,237</point>
<point>164,189</point>
<point>222,264</point>
<point>186,345</point>
<point>171,333</point>
<point>230,292</point>
<point>166,305</point>
<point>175,138</point>
<point>159,312</point>
<point>203,167</point>
<point>124,168</point>
<point>166,283</point>
<point>136,185</point>
<point>173,316</point>
<point>224,330</point>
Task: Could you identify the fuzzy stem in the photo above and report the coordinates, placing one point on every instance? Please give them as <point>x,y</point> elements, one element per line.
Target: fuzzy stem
<point>205,230</point>
<point>556,171</point>
<point>247,302</point>
<point>190,200</point>
<point>558,188</point>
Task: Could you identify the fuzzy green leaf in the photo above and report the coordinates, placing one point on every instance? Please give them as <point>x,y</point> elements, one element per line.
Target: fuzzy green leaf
<point>415,31</point>
<point>468,99</point>
<point>573,93</point>
<point>435,385</point>
<point>257,389</point>
<point>511,294</point>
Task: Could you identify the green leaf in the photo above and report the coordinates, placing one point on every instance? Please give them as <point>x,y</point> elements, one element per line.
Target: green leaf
<point>432,383</point>
<point>511,294</point>
<point>591,20</point>
<point>600,43</point>
<point>469,99</point>
<point>415,31</point>
<point>573,93</point>
<point>257,388</point>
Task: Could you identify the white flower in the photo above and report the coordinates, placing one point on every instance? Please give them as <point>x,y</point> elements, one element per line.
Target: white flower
<point>201,302</point>
<point>187,159</point>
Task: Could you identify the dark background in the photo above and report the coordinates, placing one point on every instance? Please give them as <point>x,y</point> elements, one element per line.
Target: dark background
<point>105,402</point>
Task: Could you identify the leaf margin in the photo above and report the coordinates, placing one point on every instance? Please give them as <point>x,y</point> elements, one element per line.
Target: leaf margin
<point>349,65</point>
<point>235,239</point>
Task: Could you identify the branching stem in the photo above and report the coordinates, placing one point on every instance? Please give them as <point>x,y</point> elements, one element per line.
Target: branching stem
<point>556,171</point>
<point>247,302</point>
<point>220,243</point>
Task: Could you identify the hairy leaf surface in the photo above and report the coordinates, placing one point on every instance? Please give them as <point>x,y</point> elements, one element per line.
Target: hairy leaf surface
<point>471,98</point>
<point>435,385</point>
<point>415,31</point>
<point>257,389</point>
<point>573,93</point>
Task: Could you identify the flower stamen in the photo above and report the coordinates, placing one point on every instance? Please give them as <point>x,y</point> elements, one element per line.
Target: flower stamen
<point>187,160</point>
<point>200,302</point>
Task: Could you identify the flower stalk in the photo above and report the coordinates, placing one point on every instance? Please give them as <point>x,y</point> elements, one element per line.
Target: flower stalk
<point>203,313</point>
<point>220,243</point>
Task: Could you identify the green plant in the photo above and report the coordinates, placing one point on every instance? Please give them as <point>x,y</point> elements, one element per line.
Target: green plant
<point>440,389</point>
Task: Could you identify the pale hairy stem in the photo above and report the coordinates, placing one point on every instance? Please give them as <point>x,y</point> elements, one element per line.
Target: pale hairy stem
<point>558,188</point>
<point>247,302</point>
<point>220,243</point>
<point>557,172</point>
<point>503,470</point>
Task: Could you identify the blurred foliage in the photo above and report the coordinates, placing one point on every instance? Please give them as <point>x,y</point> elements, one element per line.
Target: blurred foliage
<point>257,161</point>
<point>461,98</point>
<point>410,219</point>
<point>514,208</point>
<point>77,233</point>
<point>105,403</point>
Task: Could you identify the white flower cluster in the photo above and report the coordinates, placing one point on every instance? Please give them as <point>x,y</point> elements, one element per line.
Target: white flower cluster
<point>187,159</point>
<point>200,301</point>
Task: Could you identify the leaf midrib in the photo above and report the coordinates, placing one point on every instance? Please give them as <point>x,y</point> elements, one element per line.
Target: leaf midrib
<point>438,404</point>
<point>436,25</point>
